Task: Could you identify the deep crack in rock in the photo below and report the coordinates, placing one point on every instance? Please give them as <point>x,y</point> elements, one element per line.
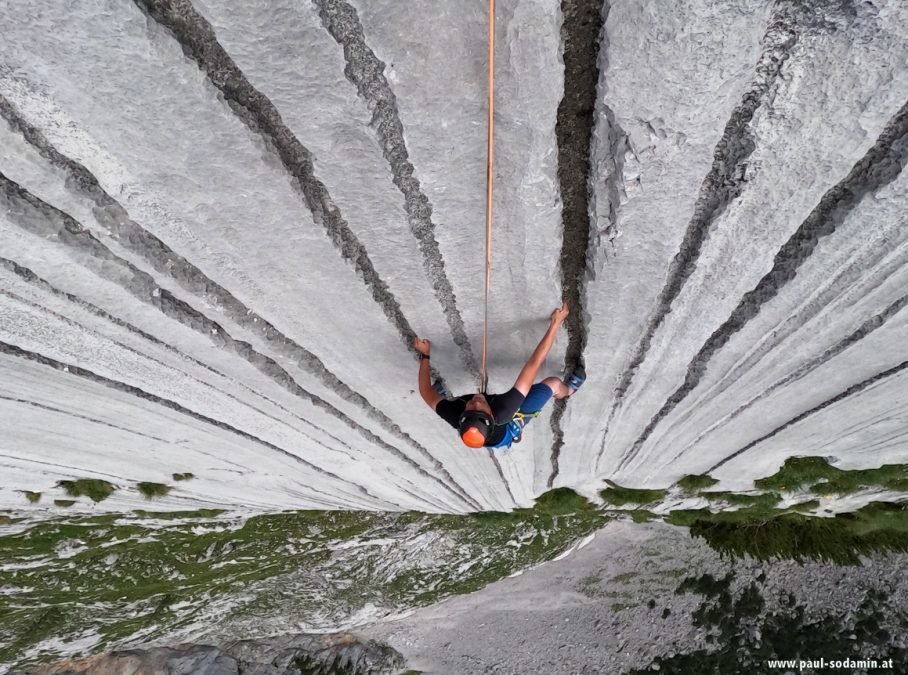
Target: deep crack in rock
<point>880,166</point>
<point>366,72</point>
<point>580,32</point>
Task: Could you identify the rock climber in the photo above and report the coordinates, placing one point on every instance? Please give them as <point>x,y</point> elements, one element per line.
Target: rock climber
<point>497,420</point>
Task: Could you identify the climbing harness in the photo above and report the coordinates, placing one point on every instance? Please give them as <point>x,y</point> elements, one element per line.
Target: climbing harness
<point>517,424</point>
<point>514,429</point>
<point>484,378</point>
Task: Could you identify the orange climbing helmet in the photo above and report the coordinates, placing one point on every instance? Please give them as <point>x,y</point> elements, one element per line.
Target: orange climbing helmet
<point>475,427</point>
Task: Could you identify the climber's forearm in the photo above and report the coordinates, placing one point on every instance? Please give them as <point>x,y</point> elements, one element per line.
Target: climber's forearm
<point>545,344</point>
<point>425,382</point>
<point>531,369</point>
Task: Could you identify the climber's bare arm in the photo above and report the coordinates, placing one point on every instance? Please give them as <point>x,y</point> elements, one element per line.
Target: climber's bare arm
<point>429,395</point>
<point>528,375</point>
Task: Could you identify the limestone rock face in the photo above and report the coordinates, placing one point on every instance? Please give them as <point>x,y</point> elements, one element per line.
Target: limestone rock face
<point>223,222</point>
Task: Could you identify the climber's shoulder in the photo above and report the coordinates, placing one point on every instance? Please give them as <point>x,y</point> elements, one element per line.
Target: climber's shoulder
<point>450,409</point>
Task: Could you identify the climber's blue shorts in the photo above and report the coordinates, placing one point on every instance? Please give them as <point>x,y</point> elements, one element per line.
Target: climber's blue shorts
<point>535,401</point>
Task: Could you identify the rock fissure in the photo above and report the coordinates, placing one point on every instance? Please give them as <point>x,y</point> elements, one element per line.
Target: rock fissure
<point>879,167</point>
<point>76,415</point>
<point>501,475</point>
<point>366,72</point>
<point>723,184</point>
<point>865,329</point>
<point>199,42</point>
<point>165,367</point>
<point>583,22</point>
<point>30,277</point>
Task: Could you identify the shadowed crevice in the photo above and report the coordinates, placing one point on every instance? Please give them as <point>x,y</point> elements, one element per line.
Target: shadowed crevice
<point>880,166</point>
<point>36,216</point>
<point>15,351</point>
<point>854,389</point>
<point>581,30</point>
<point>366,72</point>
<point>722,185</point>
<point>112,215</point>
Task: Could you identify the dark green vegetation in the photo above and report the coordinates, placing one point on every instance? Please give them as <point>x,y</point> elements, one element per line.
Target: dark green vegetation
<point>642,515</point>
<point>32,497</point>
<point>95,489</point>
<point>636,515</point>
<point>695,482</point>
<point>64,502</point>
<point>557,502</point>
<point>152,490</point>
<point>744,636</point>
<point>879,526</point>
<point>767,500</point>
<point>758,528</point>
<point>619,496</point>
<point>810,505</point>
<point>183,476</point>
<point>823,479</point>
<point>123,576</point>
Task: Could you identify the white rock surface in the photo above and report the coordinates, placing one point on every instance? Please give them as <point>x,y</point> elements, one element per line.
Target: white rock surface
<point>185,299</point>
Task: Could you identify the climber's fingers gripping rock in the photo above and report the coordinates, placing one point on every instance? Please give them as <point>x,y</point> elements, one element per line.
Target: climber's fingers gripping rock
<point>560,314</point>
<point>422,346</point>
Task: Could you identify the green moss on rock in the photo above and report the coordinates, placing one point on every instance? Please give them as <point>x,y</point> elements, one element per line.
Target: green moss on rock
<point>619,496</point>
<point>153,490</point>
<point>94,488</point>
<point>693,483</point>
<point>767,500</point>
<point>805,506</point>
<point>562,501</point>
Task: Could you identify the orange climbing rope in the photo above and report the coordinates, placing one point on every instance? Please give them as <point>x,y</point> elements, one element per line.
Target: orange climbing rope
<point>491,156</point>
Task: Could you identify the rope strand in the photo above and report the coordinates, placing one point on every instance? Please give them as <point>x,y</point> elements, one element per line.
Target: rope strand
<point>491,156</point>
